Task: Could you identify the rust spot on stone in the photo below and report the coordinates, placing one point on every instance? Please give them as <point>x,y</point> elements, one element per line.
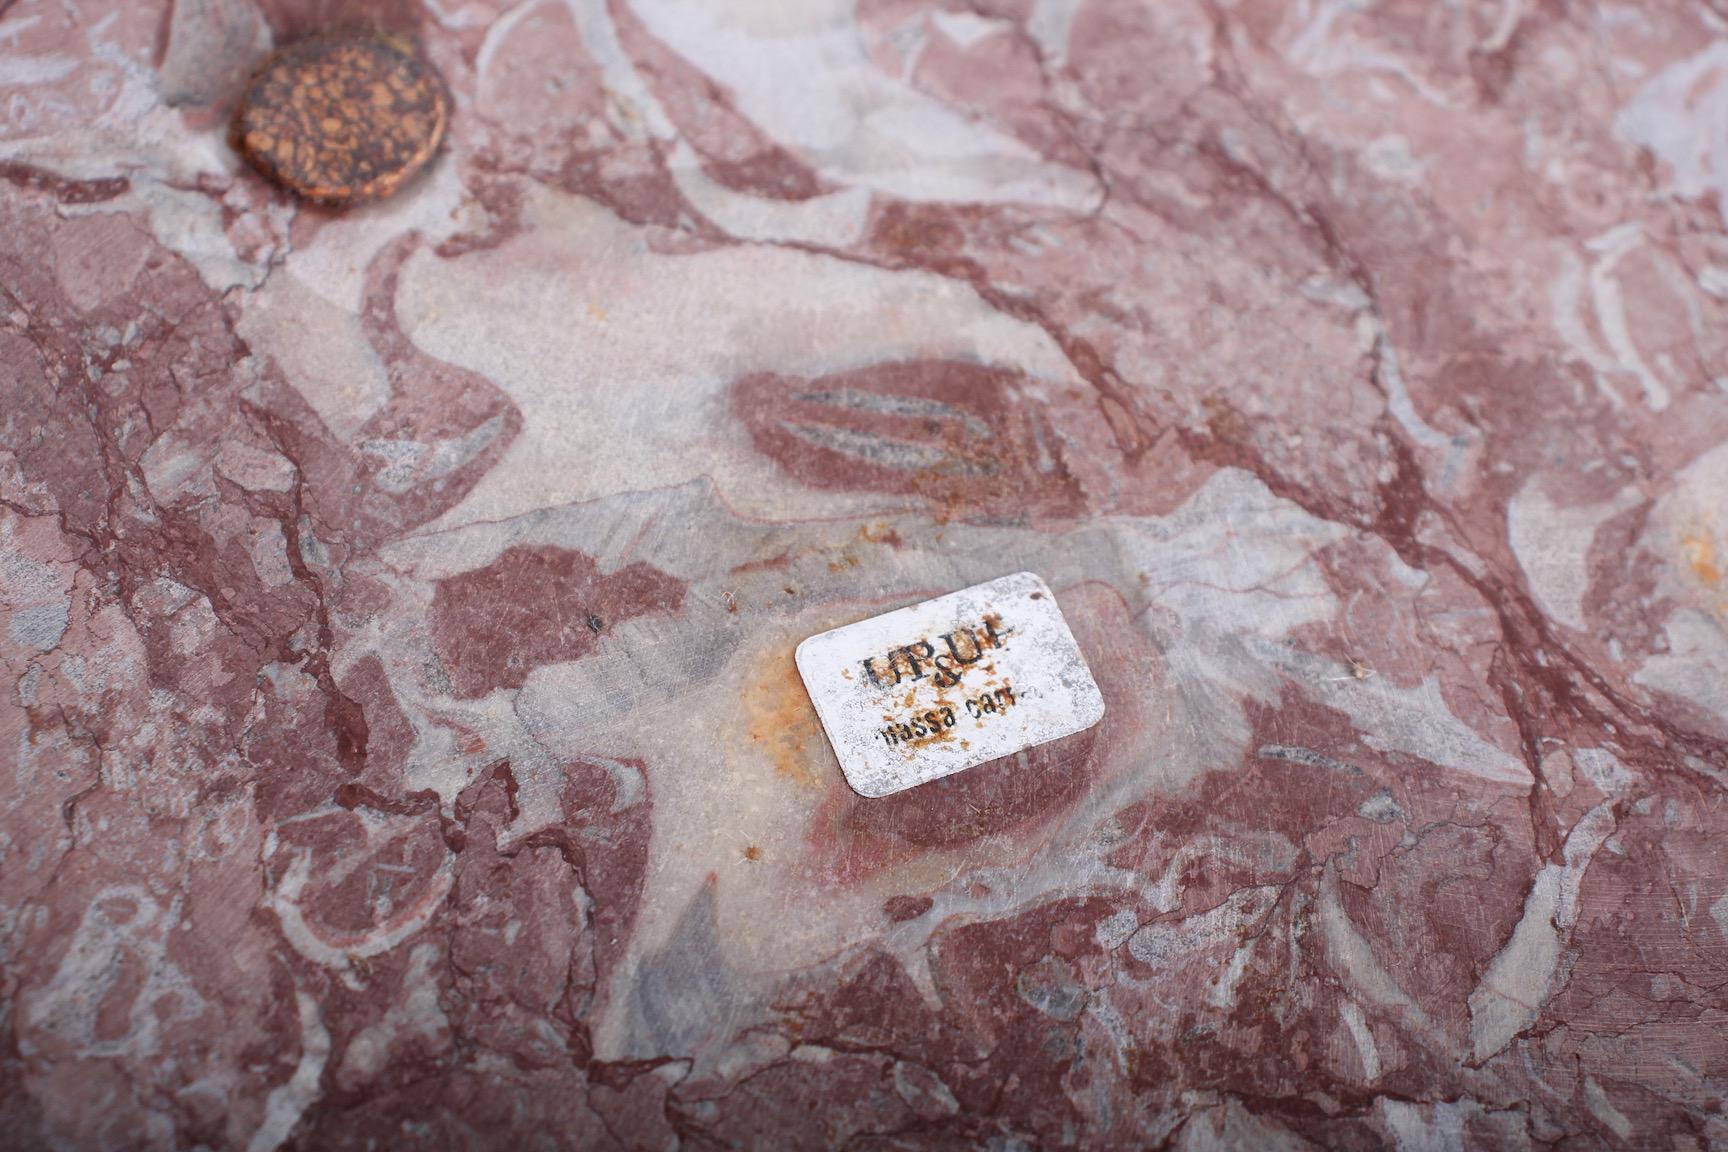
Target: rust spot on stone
<point>342,118</point>
<point>1701,556</point>
<point>780,720</point>
<point>880,534</point>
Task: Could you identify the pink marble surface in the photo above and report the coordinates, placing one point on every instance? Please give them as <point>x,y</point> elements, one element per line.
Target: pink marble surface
<point>401,745</point>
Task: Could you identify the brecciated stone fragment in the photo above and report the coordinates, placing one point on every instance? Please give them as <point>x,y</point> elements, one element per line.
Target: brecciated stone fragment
<point>342,118</point>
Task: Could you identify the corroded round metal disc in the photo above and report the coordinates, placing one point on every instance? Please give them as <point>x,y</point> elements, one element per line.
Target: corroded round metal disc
<point>342,118</point>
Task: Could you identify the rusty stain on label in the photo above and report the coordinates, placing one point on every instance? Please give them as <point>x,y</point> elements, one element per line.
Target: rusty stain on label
<point>342,118</point>
<point>927,691</point>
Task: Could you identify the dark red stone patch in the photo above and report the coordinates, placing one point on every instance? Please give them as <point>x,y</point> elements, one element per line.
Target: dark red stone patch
<point>902,908</point>
<point>993,797</point>
<point>967,438</point>
<point>734,152</point>
<point>364,873</point>
<point>536,605</point>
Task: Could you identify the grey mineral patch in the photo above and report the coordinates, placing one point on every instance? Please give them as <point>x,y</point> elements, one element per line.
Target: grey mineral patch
<point>1380,808</point>
<point>39,626</point>
<point>891,405</point>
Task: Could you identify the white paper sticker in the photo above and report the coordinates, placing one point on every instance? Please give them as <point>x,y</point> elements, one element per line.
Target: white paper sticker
<point>930,690</point>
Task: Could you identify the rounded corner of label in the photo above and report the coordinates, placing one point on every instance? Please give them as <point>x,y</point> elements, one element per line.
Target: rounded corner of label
<point>867,792</point>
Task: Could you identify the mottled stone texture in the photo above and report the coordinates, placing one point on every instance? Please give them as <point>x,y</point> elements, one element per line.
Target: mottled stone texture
<point>401,742</point>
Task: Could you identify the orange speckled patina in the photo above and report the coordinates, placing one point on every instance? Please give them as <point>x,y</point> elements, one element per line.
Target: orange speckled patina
<point>342,118</point>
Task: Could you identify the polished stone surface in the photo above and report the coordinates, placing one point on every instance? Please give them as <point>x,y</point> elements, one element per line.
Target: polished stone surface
<point>402,746</point>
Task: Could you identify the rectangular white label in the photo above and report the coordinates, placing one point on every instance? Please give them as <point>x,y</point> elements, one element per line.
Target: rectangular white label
<point>927,691</point>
